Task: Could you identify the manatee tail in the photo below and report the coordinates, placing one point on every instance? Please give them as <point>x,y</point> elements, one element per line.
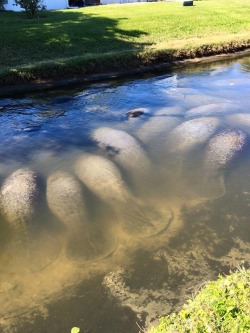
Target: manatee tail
<point>142,221</point>
<point>212,187</point>
<point>89,245</point>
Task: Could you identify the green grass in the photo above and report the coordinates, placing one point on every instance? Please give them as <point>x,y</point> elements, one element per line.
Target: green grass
<point>222,306</point>
<point>94,39</point>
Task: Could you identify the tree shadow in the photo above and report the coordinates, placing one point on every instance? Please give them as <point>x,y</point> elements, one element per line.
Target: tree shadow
<point>64,34</point>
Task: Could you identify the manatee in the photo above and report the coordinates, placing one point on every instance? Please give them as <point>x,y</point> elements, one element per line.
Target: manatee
<point>178,94</point>
<point>175,111</point>
<point>158,126</point>
<point>223,148</point>
<point>233,82</point>
<point>220,151</point>
<point>191,134</point>
<point>66,201</point>
<point>103,178</point>
<point>201,99</point>
<point>154,134</point>
<point>213,109</point>
<point>135,113</point>
<point>188,97</point>
<point>125,150</point>
<point>157,123</point>
<point>18,195</point>
<point>218,71</point>
<point>133,119</point>
<point>240,121</point>
<point>184,90</point>
<point>19,198</point>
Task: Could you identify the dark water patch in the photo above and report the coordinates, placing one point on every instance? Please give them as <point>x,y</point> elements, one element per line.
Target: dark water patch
<point>61,100</point>
<point>93,312</point>
<point>142,273</point>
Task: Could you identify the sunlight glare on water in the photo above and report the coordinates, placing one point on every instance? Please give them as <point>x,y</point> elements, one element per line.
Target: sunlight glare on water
<point>109,221</point>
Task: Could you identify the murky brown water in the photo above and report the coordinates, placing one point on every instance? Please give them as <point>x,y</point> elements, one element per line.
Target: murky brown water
<point>108,222</point>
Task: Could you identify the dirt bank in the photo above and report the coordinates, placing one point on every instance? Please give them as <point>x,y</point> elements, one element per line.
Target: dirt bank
<point>133,65</point>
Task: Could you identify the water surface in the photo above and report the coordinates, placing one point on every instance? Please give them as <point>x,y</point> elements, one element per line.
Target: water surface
<point>118,257</point>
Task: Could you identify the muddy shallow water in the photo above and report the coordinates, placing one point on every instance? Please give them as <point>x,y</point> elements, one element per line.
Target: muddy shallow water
<point>109,221</point>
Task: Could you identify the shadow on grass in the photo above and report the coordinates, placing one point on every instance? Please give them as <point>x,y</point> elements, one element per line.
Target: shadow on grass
<point>60,35</point>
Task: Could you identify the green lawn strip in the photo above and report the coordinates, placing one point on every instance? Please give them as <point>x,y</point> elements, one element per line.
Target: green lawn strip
<point>103,38</point>
<point>220,307</point>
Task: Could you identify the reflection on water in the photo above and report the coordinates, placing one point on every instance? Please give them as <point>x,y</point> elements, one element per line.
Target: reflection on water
<point>109,221</point>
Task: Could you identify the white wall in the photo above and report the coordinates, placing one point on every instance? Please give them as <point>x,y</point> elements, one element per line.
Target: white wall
<point>108,2</point>
<point>63,4</point>
<point>50,4</point>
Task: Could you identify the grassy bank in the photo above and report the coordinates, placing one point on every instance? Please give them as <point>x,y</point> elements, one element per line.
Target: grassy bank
<point>222,306</point>
<point>117,37</point>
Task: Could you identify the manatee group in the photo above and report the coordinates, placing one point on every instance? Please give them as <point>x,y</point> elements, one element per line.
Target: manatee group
<point>106,174</point>
<point>123,163</point>
<point>127,178</point>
